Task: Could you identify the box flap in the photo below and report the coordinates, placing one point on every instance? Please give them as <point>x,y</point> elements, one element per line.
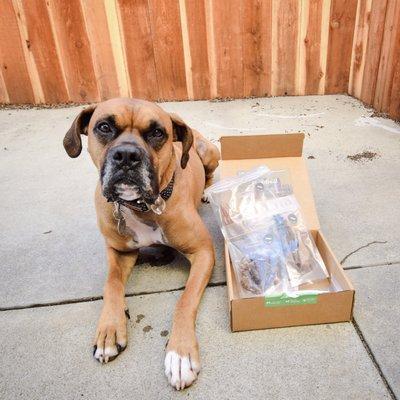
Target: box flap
<point>278,152</point>
<point>261,146</point>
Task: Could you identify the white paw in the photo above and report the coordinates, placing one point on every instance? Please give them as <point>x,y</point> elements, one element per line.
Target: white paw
<point>180,371</point>
<point>105,354</point>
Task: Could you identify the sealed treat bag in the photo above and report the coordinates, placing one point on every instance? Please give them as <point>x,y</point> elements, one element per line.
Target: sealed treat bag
<point>304,263</point>
<point>258,261</point>
<point>235,202</point>
<point>270,247</point>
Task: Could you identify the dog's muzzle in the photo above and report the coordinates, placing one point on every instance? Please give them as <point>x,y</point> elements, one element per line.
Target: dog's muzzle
<point>128,174</point>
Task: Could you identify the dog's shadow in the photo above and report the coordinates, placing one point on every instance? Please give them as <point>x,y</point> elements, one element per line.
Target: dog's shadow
<point>160,255</point>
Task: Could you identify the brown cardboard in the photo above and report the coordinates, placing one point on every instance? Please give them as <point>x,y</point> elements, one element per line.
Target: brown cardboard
<point>284,152</point>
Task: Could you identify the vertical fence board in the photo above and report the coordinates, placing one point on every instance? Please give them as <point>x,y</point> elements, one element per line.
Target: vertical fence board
<point>3,90</point>
<point>115,29</point>
<point>43,47</point>
<point>394,105</point>
<point>386,67</point>
<point>100,42</point>
<point>360,40</point>
<point>196,21</point>
<point>285,47</point>
<point>75,50</point>
<point>138,44</point>
<point>13,63</point>
<point>168,49</point>
<point>341,29</point>
<point>257,41</point>
<point>313,47</point>
<point>373,50</point>
<point>228,47</point>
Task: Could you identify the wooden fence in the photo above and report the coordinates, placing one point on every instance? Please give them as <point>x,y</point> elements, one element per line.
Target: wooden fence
<point>375,67</point>
<point>56,51</point>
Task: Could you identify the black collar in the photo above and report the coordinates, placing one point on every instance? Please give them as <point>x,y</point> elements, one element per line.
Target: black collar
<point>140,205</point>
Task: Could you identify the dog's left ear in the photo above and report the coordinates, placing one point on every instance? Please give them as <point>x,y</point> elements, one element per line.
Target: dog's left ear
<point>182,133</point>
<point>72,139</point>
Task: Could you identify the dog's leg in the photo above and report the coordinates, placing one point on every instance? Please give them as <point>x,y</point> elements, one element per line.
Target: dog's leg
<point>182,362</point>
<point>111,336</point>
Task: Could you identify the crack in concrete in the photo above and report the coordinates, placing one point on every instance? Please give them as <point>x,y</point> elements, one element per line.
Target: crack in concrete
<point>360,248</point>
<point>97,298</point>
<point>373,359</point>
<point>382,264</point>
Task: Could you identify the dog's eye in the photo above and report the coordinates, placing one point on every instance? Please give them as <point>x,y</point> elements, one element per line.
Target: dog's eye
<point>104,127</point>
<point>157,133</point>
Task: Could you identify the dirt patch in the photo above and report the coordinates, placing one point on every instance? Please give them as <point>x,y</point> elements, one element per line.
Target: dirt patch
<point>378,114</point>
<point>147,328</point>
<point>7,106</point>
<point>139,317</point>
<point>364,156</point>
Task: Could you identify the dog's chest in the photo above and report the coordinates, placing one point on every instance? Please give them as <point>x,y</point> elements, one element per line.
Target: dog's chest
<point>142,234</point>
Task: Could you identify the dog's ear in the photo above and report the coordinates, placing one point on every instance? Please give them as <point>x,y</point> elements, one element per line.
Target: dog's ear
<point>182,133</point>
<point>72,139</point>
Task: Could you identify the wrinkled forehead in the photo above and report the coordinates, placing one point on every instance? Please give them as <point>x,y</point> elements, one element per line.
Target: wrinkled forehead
<point>130,114</point>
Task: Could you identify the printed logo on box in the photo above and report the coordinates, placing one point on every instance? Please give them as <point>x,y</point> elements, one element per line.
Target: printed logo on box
<point>284,300</point>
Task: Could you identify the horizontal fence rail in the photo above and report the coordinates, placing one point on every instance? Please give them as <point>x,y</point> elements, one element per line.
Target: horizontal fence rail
<point>57,51</point>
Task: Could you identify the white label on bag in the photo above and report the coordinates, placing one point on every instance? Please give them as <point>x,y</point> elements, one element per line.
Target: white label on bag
<point>282,205</point>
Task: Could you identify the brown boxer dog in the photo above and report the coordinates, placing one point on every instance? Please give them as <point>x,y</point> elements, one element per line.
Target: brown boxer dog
<point>153,170</point>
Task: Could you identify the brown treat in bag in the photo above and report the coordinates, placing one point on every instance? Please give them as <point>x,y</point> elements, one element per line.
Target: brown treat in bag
<point>250,276</point>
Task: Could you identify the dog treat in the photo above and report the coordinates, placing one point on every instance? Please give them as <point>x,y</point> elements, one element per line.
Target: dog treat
<point>249,276</point>
<point>270,247</point>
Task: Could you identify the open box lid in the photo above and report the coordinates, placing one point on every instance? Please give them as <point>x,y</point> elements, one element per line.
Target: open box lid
<point>277,152</point>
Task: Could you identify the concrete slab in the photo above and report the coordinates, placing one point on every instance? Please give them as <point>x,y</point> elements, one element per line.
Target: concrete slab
<point>51,249</point>
<point>46,353</point>
<point>377,314</point>
<point>355,196</point>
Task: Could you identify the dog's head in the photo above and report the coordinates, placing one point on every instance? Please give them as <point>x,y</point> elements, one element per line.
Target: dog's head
<point>130,142</point>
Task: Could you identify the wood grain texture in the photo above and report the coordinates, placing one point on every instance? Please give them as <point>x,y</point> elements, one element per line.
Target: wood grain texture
<point>168,49</point>
<point>99,38</point>
<point>285,47</point>
<point>360,41</point>
<point>257,42</point>
<point>138,43</point>
<point>373,50</point>
<point>228,47</point>
<point>43,48</point>
<point>391,87</point>
<point>197,29</point>
<point>313,72</point>
<point>341,29</point>
<point>3,90</point>
<point>75,50</point>
<point>386,67</point>
<point>90,50</point>
<point>13,64</point>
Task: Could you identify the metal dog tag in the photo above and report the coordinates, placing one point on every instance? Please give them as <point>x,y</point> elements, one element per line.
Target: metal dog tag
<point>159,206</point>
<point>117,214</point>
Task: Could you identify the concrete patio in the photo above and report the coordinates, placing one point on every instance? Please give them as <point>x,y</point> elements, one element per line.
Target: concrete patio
<point>53,266</point>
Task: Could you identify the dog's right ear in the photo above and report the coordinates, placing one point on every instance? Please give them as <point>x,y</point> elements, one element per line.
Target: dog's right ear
<point>72,139</point>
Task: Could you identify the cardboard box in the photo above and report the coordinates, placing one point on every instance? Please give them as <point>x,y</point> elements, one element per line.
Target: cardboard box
<point>280,152</point>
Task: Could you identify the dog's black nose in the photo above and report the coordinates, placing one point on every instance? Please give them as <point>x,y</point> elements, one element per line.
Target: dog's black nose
<point>125,155</point>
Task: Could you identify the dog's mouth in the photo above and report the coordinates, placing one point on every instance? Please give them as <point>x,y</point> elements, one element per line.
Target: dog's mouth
<point>129,186</point>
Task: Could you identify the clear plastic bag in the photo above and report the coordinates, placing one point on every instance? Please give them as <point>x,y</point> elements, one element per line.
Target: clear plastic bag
<point>270,246</point>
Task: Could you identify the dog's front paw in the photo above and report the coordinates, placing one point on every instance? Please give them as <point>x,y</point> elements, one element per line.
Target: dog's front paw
<point>111,336</point>
<point>182,364</point>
